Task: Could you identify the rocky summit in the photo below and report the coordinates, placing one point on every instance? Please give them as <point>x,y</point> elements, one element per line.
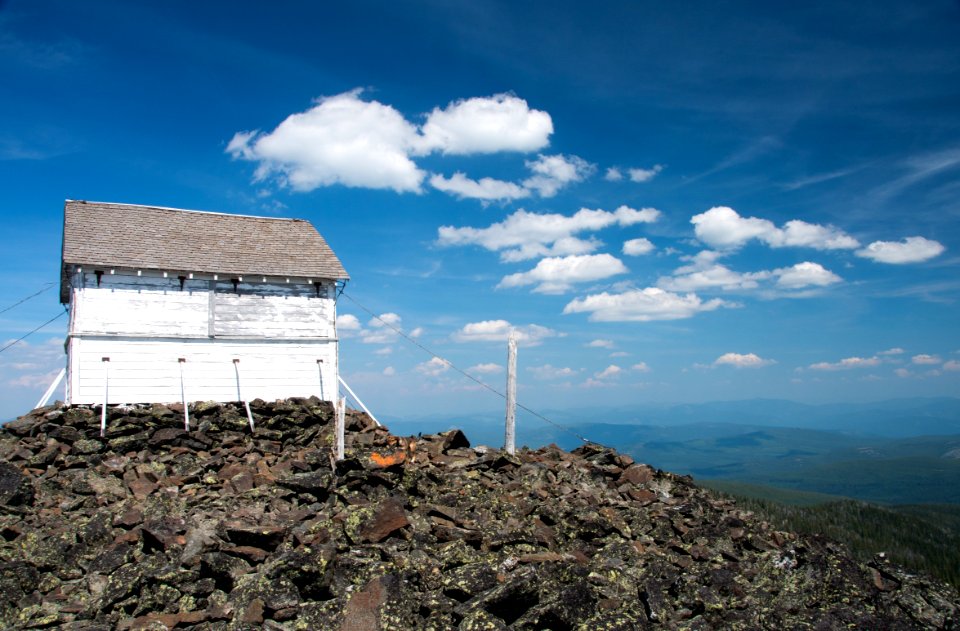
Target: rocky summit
<point>154,527</point>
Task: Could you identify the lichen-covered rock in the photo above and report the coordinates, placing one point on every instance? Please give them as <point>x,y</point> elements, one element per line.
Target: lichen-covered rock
<point>155,527</point>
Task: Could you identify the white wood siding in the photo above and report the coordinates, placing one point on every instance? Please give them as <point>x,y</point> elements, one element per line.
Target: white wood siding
<point>143,370</point>
<point>145,322</point>
<point>153,306</point>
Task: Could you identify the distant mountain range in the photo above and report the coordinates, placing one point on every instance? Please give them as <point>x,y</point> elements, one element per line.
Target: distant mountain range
<point>902,451</point>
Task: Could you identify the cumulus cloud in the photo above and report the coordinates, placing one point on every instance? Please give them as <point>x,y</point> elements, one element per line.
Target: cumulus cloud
<point>609,372</point>
<point>637,247</point>
<point>903,373</point>
<point>644,175</point>
<point>600,344</point>
<point>548,372</point>
<point>738,360</point>
<point>433,368</point>
<point>713,277</point>
<point>556,275</point>
<point>703,273</point>
<point>499,330</point>
<point>848,363</point>
<point>379,330</point>
<point>952,365</point>
<point>487,189</point>
<point>525,235</point>
<point>641,367</point>
<point>613,174</point>
<point>805,274</point>
<point>347,322</point>
<point>551,173</point>
<point>722,227</point>
<point>486,369</point>
<point>502,122</point>
<point>892,351</point>
<point>389,371</point>
<point>910,250</point>
<point>340,140</point>
<point>343,139</point>
<point>642,305</point>
<point>926,360</point>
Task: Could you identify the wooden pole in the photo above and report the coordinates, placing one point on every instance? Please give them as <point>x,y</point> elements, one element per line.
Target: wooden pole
<point>53,386</point>
<point>183,396</point>
<point>341,422</point>
<point>511,428</point>
<point>106,395</point>
<point>246,405</point>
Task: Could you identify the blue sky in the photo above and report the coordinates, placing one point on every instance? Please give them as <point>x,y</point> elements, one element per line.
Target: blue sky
<point>717,201</point>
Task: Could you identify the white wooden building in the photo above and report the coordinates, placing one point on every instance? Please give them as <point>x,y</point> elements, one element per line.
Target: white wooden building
<point>228,307</point>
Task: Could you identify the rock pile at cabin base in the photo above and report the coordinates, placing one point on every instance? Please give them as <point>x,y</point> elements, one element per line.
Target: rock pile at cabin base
<point>153,527</point>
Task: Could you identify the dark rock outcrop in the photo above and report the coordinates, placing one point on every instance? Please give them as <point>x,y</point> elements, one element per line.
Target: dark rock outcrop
<point>153,527</point>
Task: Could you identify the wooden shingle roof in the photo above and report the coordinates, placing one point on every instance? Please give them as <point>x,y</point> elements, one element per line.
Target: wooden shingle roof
<point>149,237</point>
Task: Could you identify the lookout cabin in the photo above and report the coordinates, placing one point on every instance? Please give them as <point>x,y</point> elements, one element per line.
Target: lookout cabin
<point>172,305</point>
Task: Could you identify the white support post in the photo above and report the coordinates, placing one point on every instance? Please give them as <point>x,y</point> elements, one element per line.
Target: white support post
<point>320,370</point>
<point>236,368</point>
<point>357,399</point>
<point>183,396</point>
<point>511,420</point>
<point>53,386</point>
<point>339,428</point>
<point>106,395</point>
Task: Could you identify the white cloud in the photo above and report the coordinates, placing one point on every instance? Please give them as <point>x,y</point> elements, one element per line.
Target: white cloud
<point>486,369</point>
<point>433,368</point>
<point>637,247</point>
<point>417,332</point>
<point>910,250</point>
<point>548,372</point>
<point>381,329</point>
<point>487,189</point>
<point>952,365</point>
<point>525,235</point>
<point>642,305</point>
<point>386,350</point>
<point>702,273</point>
<point>551,173</point>
<point>385,319</point>
<point>347,322</point>
<point>797,233</point>
<point>389,371</point>
<point>805,274</point>
<point>340,140</point>
<point>926,360</point>
<point>722,227</point>
<point>714,277</point>
<point>502,122</point>
<point>499,330</point>
<point>892,351</point>
<point>641,367</point>
<point>609,372</point>
<point>346,140</point>
<point>557,275</point>
<point>848,363</point>
<point>600,344</point>
<point>902,372</point>
<point>644,175</point>
<point>613,174</point>
<point>737,360</point>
